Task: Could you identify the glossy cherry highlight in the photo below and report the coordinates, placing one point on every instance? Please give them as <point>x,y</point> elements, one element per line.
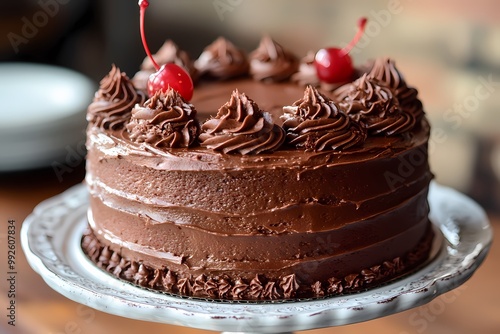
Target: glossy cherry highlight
<point>168,75</point>
<point>334,65</point>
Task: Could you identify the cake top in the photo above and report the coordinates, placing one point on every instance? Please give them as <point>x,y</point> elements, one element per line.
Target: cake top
<point>376,101</point>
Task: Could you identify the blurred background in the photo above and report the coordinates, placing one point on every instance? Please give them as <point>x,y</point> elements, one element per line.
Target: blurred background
<point>449,50</point>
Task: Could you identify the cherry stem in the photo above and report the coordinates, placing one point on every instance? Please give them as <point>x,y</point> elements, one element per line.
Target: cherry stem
<point>143,4</point>
<point>361,29</point>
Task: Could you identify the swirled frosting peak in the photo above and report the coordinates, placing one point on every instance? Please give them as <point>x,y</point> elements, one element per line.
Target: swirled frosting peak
<point>164,121</point>
<point>169,52</point>
<point>222,60</point>
<point>271,62</point>
<point>241,127</point>
<point>306,73</point>
<point>384,70</point>
<point>316,123</point>
<point>373,104</point>
<point>114,101</point>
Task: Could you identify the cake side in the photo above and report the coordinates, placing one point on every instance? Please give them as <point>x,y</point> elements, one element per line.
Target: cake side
<point>317,222</point>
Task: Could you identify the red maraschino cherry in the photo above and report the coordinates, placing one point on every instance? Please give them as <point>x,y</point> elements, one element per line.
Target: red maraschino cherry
<point>334,65</point>
<point>169,75</point>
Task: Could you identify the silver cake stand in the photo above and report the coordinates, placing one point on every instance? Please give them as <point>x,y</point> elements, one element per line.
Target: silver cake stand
<point>51,236</point>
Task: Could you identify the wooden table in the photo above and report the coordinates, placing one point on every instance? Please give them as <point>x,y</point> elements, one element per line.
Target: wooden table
<point>471,308</point>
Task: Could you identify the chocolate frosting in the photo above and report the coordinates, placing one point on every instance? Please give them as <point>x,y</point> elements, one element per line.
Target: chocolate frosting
<point>316,123</point>
<point>222,60</point>
<point>289,285</point>
<point>241,127</point>
<point>165,120</point>
<point>198,288</point>
<point>131,271</point>
<point>184,286</point>
<point>224,287</point>
<point>306,74</point>
<point>239,289</point>
<point>271,62</point>
<point>373,104</point>
<point>385,71</point>
<point>211,288</point>
<point>271,291</point>
<point>256,288</point>
<point>169,52</point>
<point>169,280</point>
<point>114,101</point>
<point>260,287</point>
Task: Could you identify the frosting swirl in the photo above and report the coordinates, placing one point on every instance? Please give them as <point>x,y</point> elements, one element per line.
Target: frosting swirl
<point>316,123</point>
<point>222,60</point>
<point>384,70</point>
<point>306,74</point>
<point>114,101</point>
<point>241,127</point>
<point>372,104</point>
<point>165,120</point>
<point>271,62</point>
<point>290,285</point>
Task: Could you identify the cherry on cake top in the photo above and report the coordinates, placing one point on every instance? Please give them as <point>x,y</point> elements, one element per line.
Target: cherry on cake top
<point>334,65</point>
<point>168,75</point>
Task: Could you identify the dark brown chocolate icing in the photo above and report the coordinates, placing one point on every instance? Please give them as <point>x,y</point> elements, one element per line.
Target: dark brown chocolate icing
<point>385,71</point>
<point>306,73</point>
<point>373,104</point>
<point>316,123</point>
<point>222,60</point>
<point>259,287</point>
<point>114,101</point>
<point>241,127</point>
<point>165,120</point>
<point>271,62</point>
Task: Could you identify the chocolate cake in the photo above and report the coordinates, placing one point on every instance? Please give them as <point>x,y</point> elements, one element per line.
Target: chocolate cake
<point>265,186</point>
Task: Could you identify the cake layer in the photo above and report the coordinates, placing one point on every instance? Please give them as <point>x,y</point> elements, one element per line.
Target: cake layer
<point>347,248</point>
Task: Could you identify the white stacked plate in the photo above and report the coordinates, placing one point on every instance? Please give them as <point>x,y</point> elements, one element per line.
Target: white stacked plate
<point>42,114</point>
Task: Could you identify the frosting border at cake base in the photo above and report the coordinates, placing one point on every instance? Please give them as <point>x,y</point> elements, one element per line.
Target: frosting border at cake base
<point>260,288</point>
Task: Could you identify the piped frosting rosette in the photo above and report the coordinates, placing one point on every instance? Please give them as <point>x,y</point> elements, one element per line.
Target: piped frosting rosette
<point>114,101</point>
<point>384,70</point>
<point>306,73</point>
<point>222,60</point>
<point>241,127</point>
<point>316,123</point>
<point>272,62</point>
<point>373,104</point>
<point>164,121</point>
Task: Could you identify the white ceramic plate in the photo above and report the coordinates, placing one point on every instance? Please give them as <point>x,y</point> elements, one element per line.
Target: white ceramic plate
<point>51,237</point>
<point>43,112</point>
